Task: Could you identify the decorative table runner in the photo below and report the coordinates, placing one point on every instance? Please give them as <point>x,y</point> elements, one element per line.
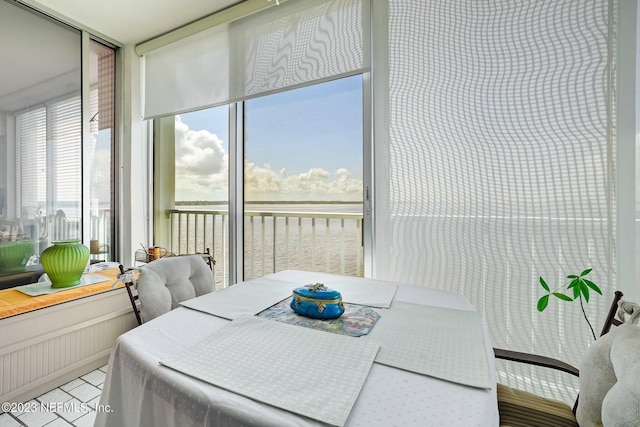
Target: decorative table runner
<point>356,320</point>
<point>256,295</point>
<point>243,298</point>
<point>318,375</point>
<point>44,287</point>
<point>439,342</point>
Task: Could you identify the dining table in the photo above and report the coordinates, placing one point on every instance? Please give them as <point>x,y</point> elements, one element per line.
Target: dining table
<point>400,355</point>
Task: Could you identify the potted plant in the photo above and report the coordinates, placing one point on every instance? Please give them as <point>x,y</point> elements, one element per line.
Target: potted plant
<point>579,286</point>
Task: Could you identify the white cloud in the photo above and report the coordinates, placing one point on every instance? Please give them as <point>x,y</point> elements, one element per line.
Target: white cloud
<point>202,174</point>
<point>263,183</point>
<point>201,165</point>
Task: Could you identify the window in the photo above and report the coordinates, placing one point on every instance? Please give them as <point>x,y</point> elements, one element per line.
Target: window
<point>290,47</point>
<point>192,190</point>
<point>48,142</point>
<point>502,163</point>
<point>302,181</point>
<point>100,150</point>
<point>54,183</point>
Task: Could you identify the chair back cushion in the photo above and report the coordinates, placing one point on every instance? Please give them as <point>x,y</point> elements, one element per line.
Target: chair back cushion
<point>163,284</point>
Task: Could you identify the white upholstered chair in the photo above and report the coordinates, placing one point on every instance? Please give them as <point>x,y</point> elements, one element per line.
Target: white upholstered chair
<point>164,283</point>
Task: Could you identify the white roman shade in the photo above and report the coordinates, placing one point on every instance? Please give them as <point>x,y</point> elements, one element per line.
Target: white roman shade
<point>501,162</point>
<point>188,74</point>
<point>294,44</point>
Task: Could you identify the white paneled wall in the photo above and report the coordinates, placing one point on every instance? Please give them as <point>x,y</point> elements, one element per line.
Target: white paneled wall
<point>45,348</point>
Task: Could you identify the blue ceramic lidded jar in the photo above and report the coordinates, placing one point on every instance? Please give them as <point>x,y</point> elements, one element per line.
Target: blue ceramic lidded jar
<point>317,301</point>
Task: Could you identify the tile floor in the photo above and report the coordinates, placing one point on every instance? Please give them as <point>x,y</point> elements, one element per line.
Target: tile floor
<point>72,404</point>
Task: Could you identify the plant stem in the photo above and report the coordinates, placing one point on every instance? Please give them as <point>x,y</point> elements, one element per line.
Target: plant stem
<point>587,319</point>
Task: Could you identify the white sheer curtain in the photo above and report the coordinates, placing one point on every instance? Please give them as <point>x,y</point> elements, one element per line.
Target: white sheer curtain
<point>500,161</point>
<point>297,43</point>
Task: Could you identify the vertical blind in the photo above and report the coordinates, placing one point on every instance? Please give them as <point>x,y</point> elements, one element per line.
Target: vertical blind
<point>65,157</point>
<point>296,43</point>
<point>501,161</point>
<point>49,161</point>
<point>31,164</point>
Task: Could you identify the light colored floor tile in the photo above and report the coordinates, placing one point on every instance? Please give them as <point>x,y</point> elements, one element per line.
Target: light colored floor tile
<point>94,377</point>
<point>86,420</point>
<point>94,402</point>
<point>55,408</point>
<point>37,419</point>
<point>85,392</point>
<point>72,384</point>
<point>7,420</point>
<point>54,396</point>
<point>31,405</point>
<point>58,422</point>
<point>72,410</point>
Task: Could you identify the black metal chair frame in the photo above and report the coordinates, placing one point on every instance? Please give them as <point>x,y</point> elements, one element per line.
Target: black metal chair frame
<point>549,362</point>
<point>133,298</point>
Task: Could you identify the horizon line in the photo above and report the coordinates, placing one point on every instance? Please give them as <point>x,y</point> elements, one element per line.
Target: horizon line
<point>269,202</point>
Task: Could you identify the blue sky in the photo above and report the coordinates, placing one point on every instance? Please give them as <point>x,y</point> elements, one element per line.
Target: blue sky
<point>307,134</point>
<point>313,126</point>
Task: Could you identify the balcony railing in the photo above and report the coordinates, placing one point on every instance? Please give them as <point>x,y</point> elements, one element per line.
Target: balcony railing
<point>273,241</point>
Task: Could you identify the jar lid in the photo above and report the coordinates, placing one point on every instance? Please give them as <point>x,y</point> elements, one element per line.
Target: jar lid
<point>317,291</point>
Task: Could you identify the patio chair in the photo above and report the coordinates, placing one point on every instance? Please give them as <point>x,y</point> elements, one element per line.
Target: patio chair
<point>164,283</point>
<point>206,256</point>
<point>132,291</point>
<point>520,408</point>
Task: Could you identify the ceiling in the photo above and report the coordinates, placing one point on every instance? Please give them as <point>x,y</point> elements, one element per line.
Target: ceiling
<point>133,21</point>
<point>41,58</point>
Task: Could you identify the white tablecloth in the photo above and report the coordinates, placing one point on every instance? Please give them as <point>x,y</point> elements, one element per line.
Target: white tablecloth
<point>141,392</point>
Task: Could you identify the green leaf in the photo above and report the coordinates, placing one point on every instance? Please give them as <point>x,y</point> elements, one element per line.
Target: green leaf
<point>572,276</point>
<point>544,284</point>
<point>542,302</point>
<point>585,290</point>
<point>562,296</point>
<point>576,288</point>
<point>584,273</point>
<point>593,286</point>
<point>574,282</point>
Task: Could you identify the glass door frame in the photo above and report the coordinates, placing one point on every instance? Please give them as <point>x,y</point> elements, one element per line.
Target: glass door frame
<point>236,184</point>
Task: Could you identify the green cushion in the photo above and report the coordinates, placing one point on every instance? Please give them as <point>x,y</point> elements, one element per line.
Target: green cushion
<point>522,409</point>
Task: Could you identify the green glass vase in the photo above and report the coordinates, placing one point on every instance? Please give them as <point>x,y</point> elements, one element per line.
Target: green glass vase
<point>14,255</point>
<point>64,262</point>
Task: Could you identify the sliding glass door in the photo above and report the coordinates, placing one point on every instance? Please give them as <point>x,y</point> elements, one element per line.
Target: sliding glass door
<point>303,180</point>
<point>57,137</point>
